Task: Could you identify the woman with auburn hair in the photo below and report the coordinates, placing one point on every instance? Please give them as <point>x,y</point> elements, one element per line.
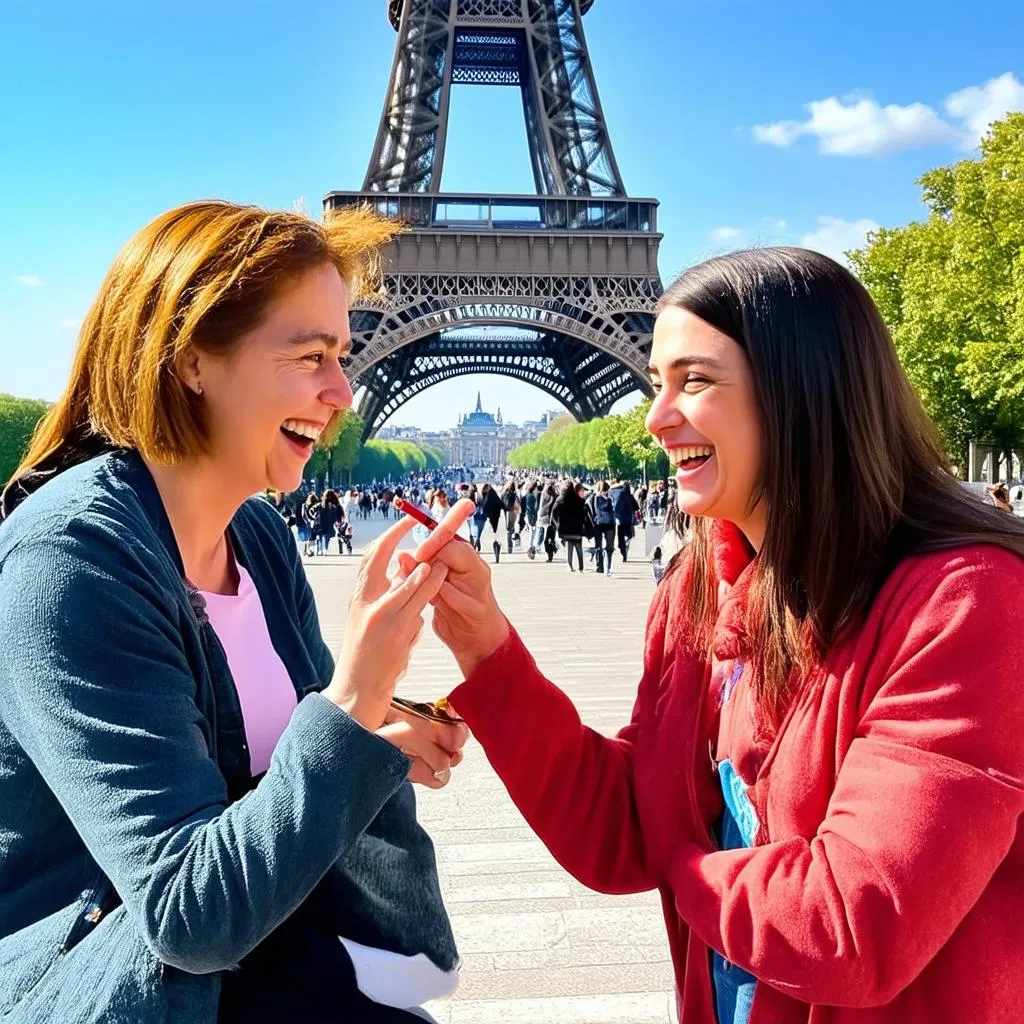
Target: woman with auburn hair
<point>824,771</point>
<point>203,817</point>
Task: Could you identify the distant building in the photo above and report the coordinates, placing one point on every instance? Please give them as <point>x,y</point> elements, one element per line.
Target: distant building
<point>483,439</point>
<point>400,434</point>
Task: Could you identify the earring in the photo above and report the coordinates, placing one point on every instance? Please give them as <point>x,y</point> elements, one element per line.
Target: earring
<point>199,389</point>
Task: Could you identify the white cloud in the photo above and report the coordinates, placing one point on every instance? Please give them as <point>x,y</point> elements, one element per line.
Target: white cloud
<point>29,280</point>
<point>978,106</point>
<point>835,236</point>
<point>774,224</point>
<point>779,133</point>
<point>726,234</point>
<point>69,323</point>
<point>858,125</point>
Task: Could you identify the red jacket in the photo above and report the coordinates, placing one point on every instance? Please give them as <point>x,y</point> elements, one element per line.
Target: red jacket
<point>887,883</point>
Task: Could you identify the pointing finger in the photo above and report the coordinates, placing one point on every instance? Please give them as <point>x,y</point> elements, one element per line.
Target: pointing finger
<point>446,529</point>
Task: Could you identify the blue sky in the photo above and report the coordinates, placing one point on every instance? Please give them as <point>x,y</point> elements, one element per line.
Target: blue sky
<point>795,121</point>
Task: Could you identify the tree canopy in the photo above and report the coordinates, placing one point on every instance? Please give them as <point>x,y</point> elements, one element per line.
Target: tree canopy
<point>18,419</point>
<point>617,446</point>
<point>345,453</point>
<point>951,289</point>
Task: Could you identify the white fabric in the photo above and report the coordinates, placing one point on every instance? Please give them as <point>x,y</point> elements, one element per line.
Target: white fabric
<point>396,980</point>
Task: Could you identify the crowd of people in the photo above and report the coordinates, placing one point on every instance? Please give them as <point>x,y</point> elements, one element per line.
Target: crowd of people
<point>538,512</point>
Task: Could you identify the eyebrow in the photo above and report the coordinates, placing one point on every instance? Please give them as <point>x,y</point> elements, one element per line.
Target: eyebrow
<point>677,364</point>
<point>328,339</point>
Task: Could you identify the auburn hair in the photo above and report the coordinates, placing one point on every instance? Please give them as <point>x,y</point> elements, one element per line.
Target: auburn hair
<point>853,473</point>
<point>199,276</point>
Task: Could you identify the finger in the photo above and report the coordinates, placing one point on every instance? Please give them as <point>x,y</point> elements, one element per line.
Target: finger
<point>406,564</point>
<point>465,606</point>
<point>415,593</point>
<point>460,558</point>
<point>416,740</point>
<point>420,774</point>
<point>453,521</point>
<point>373,571</point>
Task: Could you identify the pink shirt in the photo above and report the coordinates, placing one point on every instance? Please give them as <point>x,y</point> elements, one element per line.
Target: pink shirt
<point>265,690</point>
<point>267,697</point>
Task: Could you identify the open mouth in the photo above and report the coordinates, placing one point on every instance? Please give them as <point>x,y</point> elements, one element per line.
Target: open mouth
<point>302,436</point>
<point>689,458</point>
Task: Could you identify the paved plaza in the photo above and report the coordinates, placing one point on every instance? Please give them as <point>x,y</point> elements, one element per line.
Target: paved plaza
<point>537,946</point>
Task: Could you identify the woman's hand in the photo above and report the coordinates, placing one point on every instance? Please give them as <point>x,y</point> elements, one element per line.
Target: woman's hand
<point>434,749</point>
<point>383,624</point>
<point>467,618</point>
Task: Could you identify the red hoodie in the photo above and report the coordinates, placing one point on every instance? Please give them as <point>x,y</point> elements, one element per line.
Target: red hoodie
<point>887,882</point>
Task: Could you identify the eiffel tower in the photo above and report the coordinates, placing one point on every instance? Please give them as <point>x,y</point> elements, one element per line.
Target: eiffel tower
<point>557,288</point>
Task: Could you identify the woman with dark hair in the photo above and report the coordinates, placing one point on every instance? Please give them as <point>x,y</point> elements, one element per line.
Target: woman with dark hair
<point>511,505</point>
<point>545,534</point>
<point>824,771</point>
<point>569,514</point>
<point>332,519</point>
<point>626,510</point>
<point>488,509</point>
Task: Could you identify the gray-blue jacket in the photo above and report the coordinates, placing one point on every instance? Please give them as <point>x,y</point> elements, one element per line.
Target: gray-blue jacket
<point>137,860</point>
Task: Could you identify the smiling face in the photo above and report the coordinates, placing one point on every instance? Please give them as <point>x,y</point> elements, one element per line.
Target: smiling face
<point>271,397</point>
<point>705,417</point>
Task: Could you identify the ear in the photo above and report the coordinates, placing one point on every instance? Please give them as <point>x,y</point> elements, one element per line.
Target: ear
<point>187,368</point>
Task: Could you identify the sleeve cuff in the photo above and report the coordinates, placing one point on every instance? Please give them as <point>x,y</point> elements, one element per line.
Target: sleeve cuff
<point>334,743</point>
<point>499,685</point>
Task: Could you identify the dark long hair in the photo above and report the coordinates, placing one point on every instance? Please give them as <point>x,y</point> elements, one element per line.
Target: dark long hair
<point>853,473</point>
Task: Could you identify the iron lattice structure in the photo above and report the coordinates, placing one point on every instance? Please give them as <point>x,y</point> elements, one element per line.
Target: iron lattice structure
<point>558,288</point>
<point>537,45</point>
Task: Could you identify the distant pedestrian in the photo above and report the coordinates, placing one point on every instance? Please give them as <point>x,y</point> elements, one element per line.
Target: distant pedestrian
<point>545,534</point>
<point>602,509</point>
<point>569,514</point>
<point>510,503</point>
<point>626,512</point>
<point>531,507</point>
<point>331,518</point>
<point>310,523</point>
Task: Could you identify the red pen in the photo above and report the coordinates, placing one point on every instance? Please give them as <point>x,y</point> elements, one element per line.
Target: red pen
<point>421,517</point>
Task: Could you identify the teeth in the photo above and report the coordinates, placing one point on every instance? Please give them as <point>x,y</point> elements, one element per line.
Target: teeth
<point>678,455</point>
<point>302,429</point>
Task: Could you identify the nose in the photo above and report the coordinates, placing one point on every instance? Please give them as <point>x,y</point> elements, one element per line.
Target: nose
<point>663,414</point>
<point>337,391</point>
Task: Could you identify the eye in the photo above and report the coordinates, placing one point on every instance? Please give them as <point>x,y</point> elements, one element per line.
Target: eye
<point>314,357</point>
<point>695,381</point>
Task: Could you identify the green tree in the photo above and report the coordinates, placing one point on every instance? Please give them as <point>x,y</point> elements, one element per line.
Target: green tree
<point>616,445</point>
<point>951,289</point>
<point>18,419</point>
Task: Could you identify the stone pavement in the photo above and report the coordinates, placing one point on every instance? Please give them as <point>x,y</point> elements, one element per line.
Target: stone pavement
<point>537,946</point>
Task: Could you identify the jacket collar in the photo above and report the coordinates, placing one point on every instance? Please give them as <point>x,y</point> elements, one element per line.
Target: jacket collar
<point>134,472</point>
